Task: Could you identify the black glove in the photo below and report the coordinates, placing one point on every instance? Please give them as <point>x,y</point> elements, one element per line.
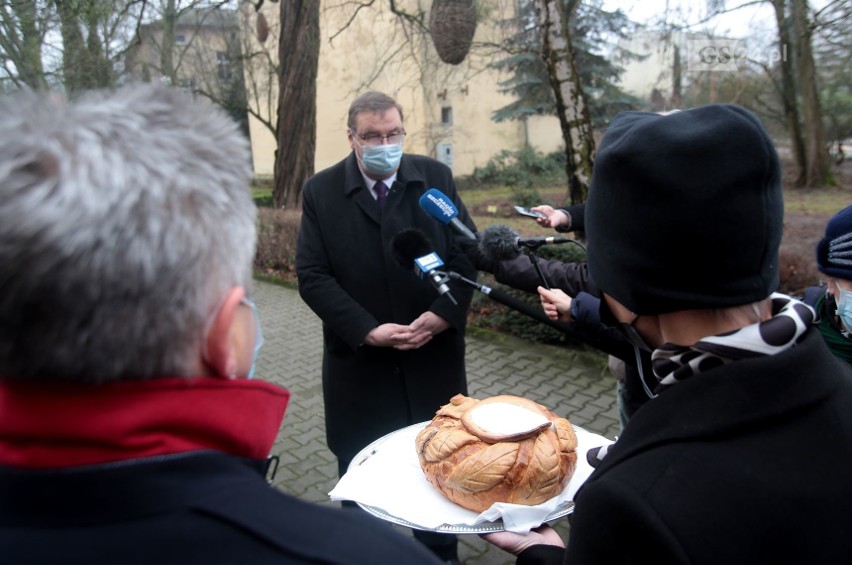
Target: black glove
<point>470,247</point>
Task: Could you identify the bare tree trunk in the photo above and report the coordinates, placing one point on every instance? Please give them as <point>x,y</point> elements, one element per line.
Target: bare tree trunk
<point>100,72</point>
<point>571,107</point>
<point>23,46</point>
<point>677,79</point>
<point>167,44</point>
<point>73,46</point>
<point>788,92</point>
<point>84,64</point>
<point>713,91</point>
<point>818,169</point>
<point>298,53</point>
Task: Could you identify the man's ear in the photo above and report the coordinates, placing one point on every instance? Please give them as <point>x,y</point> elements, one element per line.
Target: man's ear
<point>221,356</point>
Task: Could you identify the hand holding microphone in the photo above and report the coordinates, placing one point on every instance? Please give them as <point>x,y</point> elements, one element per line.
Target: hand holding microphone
<point>512,302</point>
<point>556,304</point>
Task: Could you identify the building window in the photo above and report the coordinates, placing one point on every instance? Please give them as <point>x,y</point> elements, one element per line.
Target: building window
<point>447,115</point>
<point>180,39</point>
<point>223,66</point>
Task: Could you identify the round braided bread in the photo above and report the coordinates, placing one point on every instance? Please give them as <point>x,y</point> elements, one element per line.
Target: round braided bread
<point>476,467</point>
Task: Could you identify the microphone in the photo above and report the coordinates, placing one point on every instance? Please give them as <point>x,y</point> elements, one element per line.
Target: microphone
<point>512,302</point>
<point>412,250</point>
<point>536,242</point>
<point>618,348</point>
<point>439,206</point>
<point>500,242</point>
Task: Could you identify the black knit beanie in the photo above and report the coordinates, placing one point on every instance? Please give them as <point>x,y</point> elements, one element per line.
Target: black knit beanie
<point>685,210</point>
<point>834,251</point>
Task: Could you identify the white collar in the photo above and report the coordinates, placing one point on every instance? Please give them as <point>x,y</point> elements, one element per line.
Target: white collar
<point>371,183</point>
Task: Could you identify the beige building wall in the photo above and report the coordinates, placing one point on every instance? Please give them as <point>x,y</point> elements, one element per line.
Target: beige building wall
<point>544,133</point>
<point>447,107</point>
<point>205,54</point>
<point>640,78</point>
<point>657,70</point>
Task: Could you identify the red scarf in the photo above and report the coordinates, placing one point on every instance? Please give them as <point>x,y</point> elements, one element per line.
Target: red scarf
<point>44,426</point>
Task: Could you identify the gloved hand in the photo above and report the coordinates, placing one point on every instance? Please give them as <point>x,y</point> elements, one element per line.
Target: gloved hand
<point>470,247</point>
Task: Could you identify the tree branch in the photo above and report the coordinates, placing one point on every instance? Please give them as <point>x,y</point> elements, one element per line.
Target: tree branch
<point>360,6</point>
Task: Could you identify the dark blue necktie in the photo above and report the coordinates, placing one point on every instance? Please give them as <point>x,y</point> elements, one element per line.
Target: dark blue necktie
<point>381,192</point>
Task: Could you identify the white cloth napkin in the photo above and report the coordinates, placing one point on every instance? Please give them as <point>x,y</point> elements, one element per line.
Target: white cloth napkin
<point>387,475</point>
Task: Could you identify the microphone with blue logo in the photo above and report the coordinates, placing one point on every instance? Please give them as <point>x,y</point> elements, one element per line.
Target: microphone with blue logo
<point>412,250</point>
<point>439,206</point>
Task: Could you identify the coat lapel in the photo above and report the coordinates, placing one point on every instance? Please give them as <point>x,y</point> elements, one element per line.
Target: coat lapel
<point>356,189</point>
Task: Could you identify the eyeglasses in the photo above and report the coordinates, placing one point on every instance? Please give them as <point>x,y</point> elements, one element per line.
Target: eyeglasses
<point>374,139</point>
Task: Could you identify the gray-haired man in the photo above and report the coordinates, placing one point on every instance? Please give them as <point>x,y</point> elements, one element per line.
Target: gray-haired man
<point>130,430</point>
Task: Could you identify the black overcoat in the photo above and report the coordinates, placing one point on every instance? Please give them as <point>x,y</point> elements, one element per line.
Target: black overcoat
<point>748,462</point>
<point>196,507</point>
<point>350,279</point>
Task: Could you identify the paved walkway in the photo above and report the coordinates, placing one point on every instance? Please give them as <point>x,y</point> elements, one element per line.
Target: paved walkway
<point>572,384</point>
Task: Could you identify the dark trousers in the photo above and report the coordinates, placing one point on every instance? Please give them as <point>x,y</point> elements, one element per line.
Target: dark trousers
<point>445,546</point>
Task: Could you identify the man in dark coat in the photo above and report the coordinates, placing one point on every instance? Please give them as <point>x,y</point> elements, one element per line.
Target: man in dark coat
<point>393,346</point>
<point>131,430</point>
<point>744,454</point>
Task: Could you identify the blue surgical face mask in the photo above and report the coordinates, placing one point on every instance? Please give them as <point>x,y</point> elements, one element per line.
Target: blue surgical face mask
<point>258,336</point>
<point>844,308</point>
<point>381,160</point>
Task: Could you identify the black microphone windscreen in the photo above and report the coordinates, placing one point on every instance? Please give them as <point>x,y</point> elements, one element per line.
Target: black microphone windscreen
<point>499,243</point>
<point>408,245</point>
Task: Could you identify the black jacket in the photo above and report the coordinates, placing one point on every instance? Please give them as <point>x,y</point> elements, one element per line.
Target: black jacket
<point>198,507</point>
<point>350,279</point>
<point>746,463</point>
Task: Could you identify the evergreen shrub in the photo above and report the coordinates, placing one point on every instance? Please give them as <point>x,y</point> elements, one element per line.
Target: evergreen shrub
<point>523,168</point>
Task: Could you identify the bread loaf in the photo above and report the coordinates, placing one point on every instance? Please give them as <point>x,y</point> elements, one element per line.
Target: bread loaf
<point>501,449</point>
